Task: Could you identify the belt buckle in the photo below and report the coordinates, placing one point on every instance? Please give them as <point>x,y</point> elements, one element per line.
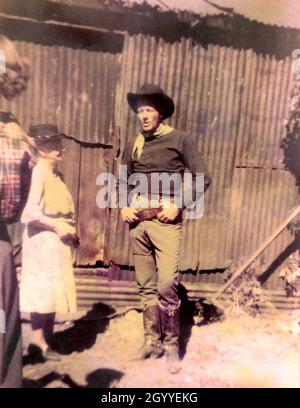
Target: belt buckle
<point>147,214</point>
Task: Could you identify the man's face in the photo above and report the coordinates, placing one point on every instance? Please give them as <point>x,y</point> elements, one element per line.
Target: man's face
<point>148,115</point>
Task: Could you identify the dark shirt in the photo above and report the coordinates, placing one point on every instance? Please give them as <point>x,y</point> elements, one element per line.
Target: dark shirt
<point>172,153</point>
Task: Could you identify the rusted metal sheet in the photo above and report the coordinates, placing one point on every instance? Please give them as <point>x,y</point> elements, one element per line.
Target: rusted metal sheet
<point>197,79</point>
<point>70,168</point>
<point>91,218</point>
<point>80,168</point>
<point>74,88</point>
<point>214,90</point>
<point>267,86</point>
<point>92,289</point>
<point>260,200</point>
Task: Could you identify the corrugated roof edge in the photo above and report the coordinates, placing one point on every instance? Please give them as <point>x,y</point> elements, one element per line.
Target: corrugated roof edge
<point>184,15</point>
<point>221,29</point>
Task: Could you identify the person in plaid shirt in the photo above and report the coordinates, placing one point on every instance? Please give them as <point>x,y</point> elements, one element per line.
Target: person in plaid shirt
<point>14,179</point>
<point>14,160</point>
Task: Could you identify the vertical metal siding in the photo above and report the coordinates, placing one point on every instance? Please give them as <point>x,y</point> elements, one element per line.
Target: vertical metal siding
<point>264,106</point>
<point>261,200</point>
<point>91,219</point>
<point>180,69</point>
<point>233,102</point>
<point>74,88</point>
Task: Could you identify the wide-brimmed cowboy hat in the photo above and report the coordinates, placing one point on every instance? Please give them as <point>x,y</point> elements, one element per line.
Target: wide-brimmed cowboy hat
<point>45,133</point>
<point>154,94</point>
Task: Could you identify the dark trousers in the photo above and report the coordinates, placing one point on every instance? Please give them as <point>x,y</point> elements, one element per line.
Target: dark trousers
<point>10,341</point>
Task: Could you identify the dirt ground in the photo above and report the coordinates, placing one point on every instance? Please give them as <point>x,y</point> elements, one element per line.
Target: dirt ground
<point>239,351</point>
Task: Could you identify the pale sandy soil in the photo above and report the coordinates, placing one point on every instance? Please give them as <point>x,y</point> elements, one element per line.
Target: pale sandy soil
<point>237,352</point>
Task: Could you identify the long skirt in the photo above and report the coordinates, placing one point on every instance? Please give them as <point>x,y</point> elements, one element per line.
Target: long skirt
<point>47,278</point>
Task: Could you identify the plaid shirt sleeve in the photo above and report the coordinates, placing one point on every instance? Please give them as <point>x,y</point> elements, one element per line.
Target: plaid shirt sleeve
<point>14,170</point>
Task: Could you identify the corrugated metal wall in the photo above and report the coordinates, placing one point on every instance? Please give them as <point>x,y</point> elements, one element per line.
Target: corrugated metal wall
<point>72,87</point>
<point>234,103</point>
<point>264,106</point>
<point>94,288</point>
<point>75,89</point>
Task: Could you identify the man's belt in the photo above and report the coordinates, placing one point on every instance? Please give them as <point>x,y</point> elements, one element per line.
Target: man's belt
<point>148,213</point>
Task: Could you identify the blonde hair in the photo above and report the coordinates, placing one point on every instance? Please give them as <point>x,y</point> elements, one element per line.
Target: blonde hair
<point>14,80</point>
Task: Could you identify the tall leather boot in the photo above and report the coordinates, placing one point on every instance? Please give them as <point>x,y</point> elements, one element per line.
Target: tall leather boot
<point>152,333</point>
<point>170,326</point>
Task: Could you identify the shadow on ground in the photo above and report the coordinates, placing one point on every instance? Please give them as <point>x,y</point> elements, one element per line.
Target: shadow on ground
<point>41,382</point>
<point>191,311</point>
<point>81,336</point>
<point>101,378</point>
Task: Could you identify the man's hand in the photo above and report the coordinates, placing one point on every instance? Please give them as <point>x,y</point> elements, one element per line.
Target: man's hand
<point>128,214</point>
<point>168,214</point>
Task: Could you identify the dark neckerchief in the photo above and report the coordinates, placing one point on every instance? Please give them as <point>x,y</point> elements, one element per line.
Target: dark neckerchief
<point>148,136</point>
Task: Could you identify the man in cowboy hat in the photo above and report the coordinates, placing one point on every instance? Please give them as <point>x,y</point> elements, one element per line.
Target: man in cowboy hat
<point>156,232</point>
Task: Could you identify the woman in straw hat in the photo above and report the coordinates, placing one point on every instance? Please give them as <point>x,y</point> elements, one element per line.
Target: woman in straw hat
<point>47,281</point>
